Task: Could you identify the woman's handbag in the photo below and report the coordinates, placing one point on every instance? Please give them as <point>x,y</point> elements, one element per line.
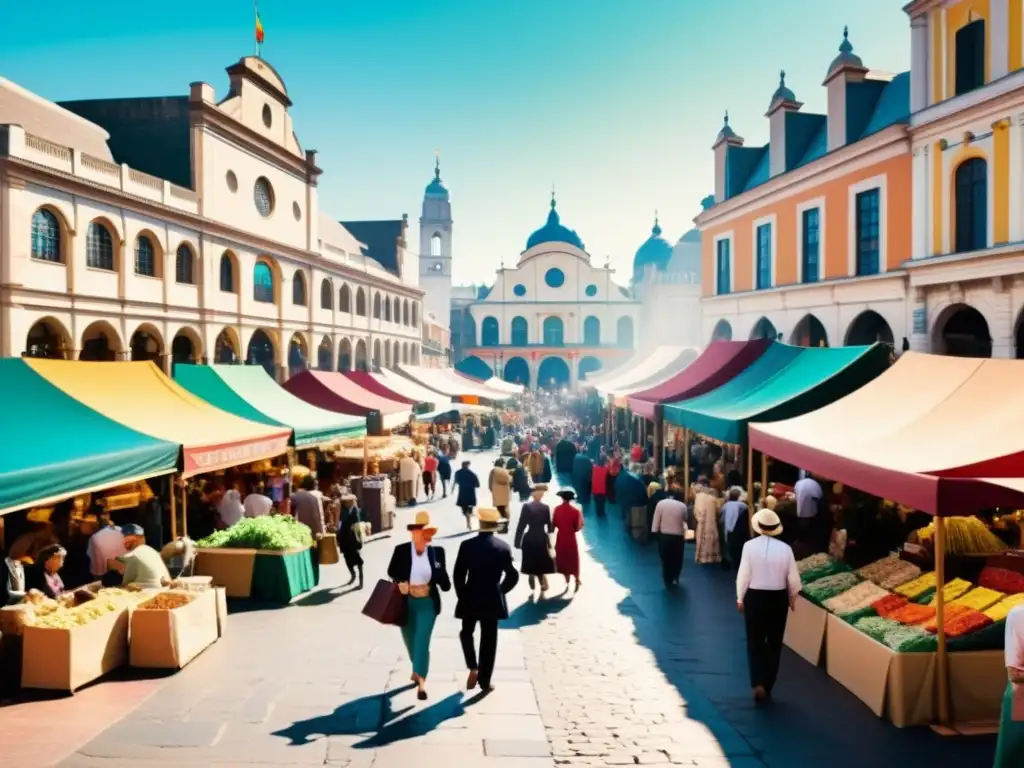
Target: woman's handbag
<point>327,549</point>
<point>386,603</point>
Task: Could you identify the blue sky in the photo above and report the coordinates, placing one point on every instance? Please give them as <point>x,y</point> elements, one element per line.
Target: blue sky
<point>616,103</point>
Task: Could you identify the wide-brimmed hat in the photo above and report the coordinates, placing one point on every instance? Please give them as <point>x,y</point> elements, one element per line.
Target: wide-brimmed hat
<point>766,523</point>
<point>488,515</point>
<point>567,495</point>
<point>539,488</point>
<point>421,522</point>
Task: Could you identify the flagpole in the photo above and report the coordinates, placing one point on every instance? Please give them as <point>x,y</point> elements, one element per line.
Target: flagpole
<point>256,11</point>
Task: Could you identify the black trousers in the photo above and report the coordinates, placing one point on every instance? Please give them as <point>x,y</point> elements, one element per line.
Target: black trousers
<point>765,613</point>
<point>671,550</point>
<point>735,541</point>
<point>610,490</point>
<point>488,647</point>
<point>599,502</point>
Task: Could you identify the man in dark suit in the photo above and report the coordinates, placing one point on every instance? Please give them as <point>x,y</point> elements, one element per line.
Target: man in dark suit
<point>484,574</point>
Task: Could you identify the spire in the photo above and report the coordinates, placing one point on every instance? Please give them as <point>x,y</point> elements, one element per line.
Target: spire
<point>727,131</point>
<point>437,164</point>
<point>656,229</point>
<point>552,196</point>
<point>845,46</point>
<point>782,95</point>
<point>846,57</point>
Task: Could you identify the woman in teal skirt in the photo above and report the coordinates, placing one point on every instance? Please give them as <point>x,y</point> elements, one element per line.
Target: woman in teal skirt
<point>1010,747</point>
<point>419,570</point>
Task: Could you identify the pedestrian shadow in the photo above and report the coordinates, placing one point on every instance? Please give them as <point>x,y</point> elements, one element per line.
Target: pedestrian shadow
<point>376,715</point>
<point>535,611</point>
<point>325,596</point>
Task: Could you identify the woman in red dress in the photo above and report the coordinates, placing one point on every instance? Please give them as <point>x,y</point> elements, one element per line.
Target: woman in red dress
<point>567,522</point>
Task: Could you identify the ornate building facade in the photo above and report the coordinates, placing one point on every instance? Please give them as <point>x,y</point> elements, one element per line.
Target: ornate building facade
<point>552,318</point>
<point>188,229</point>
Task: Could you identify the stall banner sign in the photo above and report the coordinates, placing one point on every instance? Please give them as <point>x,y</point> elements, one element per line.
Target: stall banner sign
<point>210,458</point>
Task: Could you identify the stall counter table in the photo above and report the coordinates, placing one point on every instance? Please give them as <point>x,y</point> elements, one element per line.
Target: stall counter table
<point>805,630</point>
<point>281,576</point>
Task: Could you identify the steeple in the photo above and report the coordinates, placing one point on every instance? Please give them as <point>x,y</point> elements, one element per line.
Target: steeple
<point>656,229</point>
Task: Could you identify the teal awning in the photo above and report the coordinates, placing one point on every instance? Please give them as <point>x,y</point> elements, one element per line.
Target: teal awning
<point>248,391</point>
<point>784,382</point>
<point>54,447</point>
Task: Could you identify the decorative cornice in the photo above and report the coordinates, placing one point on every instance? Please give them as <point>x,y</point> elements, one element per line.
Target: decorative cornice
<point>29,171</point>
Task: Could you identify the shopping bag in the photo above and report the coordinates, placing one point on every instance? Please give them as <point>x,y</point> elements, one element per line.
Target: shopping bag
<point>327,549</point>
<point>385,604</point>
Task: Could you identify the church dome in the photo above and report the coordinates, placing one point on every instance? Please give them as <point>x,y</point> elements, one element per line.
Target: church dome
<point>656,251</point>
<point>554,232</point>
<point>686,257</point>
<point>436,187</point>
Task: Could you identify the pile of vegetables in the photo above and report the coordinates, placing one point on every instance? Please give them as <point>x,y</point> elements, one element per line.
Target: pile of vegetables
<point>166,601</point>
<point>66,616</point>
<point>277,532</point>
<point>830,586</point>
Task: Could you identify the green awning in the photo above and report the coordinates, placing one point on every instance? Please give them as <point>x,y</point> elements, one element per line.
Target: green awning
<point>249,392</point>
<point>54,447</point>
<point>783,383</point>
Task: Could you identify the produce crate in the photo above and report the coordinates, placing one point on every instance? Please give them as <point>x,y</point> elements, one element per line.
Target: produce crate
<point>66,659</point>
<point>805,630</point>
<point>228,568</point>
<point>171,638</point>
<point>275,576</point>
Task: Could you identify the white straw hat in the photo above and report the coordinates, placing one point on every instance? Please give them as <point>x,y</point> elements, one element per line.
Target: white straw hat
<point>766,523</point>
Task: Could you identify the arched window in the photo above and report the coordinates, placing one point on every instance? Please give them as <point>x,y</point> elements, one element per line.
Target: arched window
<point>262,283</point>
<point>592,331</point>
<point>405,312</point>
<point>489,334</point>
<point>361,302</point>
<point>99,247</point>
<point>227,273</point>
<point>970,56</point>
<point>520,332</point>
<point>624,331</point>
<point>299,289</point>
<point>396,312</point>
<point>376,306</point>
<point>46,236</point>
<point>554,331</point>
<point>145,256</point>
<point>184,267</point>
<point>387,309</point>
<point>345,298</point>
<point>415,315</point>
<point>435,245</point>
<point>326,294</point>
<point>971,205</point>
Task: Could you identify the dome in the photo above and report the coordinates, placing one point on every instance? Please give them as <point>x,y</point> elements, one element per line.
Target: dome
<point>846,57</point>
<point>686,256</point>
<point>727,132</point>
<point>554,232</point>
<point>436,188</point>
<point>656,251</point>
<point>782,93</point>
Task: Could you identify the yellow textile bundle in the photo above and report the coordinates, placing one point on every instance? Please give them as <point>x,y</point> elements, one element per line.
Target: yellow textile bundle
<point>965,536</point>
<point>979,599</point>
<point>918,586</point>
<point>953,590</point>
<point>999,611</point>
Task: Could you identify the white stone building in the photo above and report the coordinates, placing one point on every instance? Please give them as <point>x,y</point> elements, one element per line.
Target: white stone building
<point>436,247</point>
<point>666,281</point>
<point>188,228</point>
<point>555,316</point>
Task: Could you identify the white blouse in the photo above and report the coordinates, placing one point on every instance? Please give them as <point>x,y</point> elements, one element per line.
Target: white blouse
<point>420,573</point>
<point>1015,637</point>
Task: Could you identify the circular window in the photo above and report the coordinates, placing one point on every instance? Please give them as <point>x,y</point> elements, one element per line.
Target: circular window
<point>296,211</point>
<point>268,116</point>
<point>232,181</point>
<point>591,290</point>
<point>263,193</point>
<point>519,290</point>
<point>554,277</point>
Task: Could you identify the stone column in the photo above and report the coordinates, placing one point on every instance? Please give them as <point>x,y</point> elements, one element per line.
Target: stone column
<point>917,307</point>
<point>919,63</point>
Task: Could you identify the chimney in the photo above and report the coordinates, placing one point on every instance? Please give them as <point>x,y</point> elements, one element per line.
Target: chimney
<point>783,102</point>
<point>726,138</point>
<point>845,69</point>
<point>201,92</point>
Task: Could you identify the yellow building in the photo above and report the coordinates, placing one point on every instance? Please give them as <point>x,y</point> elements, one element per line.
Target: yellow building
<point>966,278</point>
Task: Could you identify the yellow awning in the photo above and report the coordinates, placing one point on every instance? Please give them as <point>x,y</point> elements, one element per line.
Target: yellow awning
<point>141,397</point>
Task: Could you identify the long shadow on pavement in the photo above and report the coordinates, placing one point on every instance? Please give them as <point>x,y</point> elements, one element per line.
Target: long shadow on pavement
<point>697,638</point>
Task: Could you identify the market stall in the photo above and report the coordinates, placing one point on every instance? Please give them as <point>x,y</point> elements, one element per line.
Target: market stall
<point>410,389</point>
<point>450,383</point>
<point>337,392</point>
<point>663,361</point>
<point>933,433</point>
<point>371,383</point>
<point>248,391</point>
<point>82,450</point>
<point>507,387</point>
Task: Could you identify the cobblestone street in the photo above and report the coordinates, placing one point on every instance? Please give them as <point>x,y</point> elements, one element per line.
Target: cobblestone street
<point>622,673</point>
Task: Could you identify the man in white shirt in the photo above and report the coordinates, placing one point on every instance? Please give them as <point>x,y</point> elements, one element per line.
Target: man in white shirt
<point>409,473</point>
<point>257,503</point>
<point>230,508</point>
<point>767,584</point>
<point>814,526</point>
<point>670,527</point>
<point>735,514</point>
<point>808,497</point>
<point>104,545</point>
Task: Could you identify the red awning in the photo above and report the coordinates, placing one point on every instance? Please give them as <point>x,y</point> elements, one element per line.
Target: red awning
<point>717,364</point>
<point>940,434</point>
<point>336,392</point>
<point>366,380</point>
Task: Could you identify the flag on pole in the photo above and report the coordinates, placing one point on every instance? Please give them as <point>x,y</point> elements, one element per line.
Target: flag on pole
<point>259,29</point>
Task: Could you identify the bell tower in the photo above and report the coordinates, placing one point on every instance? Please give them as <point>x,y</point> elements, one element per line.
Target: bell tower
<point>436,248</point>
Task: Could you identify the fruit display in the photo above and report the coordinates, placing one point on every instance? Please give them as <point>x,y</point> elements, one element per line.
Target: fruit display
<point>276,532</point>
<point>830,586</point>
<point>965,536</point>
<point>166,601</point>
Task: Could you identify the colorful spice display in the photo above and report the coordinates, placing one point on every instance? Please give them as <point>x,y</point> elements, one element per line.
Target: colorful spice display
<point>999,611</point>
<point>828,587</point>
<point>918,586</point>
<point>979,599</point>
<point>1002,580</point>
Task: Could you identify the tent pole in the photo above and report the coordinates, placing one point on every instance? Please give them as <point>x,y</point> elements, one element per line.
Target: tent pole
<point>174,509</point>
<point>184,508</point>
<point>366,455</point>
<point>942,657</point>
<point>750,488</point>
<point>659,443</point>
<point>764,475</point>
<point>686,464</point>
